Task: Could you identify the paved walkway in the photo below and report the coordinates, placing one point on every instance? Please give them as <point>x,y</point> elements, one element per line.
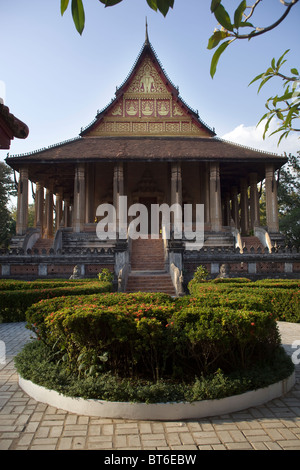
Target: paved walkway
<point>27,425</point>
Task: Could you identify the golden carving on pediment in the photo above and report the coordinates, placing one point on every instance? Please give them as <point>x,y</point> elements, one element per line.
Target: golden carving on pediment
<point>147,107</point>
<point>117,111</point>
<point>176,110</point>
<point>147,79</point>
<point>163,107</point>
<point>132,107</point>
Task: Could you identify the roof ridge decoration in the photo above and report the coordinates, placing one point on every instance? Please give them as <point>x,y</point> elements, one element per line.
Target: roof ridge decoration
<point>147,103</point>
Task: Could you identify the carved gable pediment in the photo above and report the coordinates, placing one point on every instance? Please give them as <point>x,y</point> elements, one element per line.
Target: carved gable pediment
<point>147,104</point>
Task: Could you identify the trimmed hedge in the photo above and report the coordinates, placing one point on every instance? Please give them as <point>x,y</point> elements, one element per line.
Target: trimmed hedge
<point>279,297</point>
<point>17,296</point>
<point>35,362</point>
<point>152,336</point>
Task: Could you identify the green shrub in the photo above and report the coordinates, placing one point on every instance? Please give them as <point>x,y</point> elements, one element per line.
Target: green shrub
<point>38,363</point>
<point>106,275</point>
<point>152,336</point>
<point>17,296</point>
<point>279,297</point>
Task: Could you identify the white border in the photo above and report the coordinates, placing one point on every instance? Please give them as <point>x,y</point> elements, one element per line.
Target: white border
<point>157,411</point>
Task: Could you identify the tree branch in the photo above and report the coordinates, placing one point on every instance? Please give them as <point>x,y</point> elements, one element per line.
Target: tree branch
<point>268,28</point>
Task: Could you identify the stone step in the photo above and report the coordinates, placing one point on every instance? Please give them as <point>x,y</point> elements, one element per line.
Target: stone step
<point>147,254</point>
<point>43,244</point>
<point>150,282</point>
<point>252,241</point>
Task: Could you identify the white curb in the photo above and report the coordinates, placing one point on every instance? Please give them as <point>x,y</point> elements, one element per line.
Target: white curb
<point>157,411</point>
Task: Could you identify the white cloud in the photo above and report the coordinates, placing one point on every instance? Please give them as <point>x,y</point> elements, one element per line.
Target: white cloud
<point>252,136</point>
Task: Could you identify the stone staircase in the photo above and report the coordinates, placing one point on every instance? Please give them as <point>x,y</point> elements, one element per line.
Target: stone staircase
<point>43,244</point>
<point>150,282</point>
<point>148,268</point>
<point>252,241</point>
<point>147,255</point>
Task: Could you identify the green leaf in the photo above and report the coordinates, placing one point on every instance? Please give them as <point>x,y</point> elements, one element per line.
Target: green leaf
<point>273,63</point>
<point>223,17</point>
<point>216,38</point>
<point>238,14</point>
<point>294,71</point>
<point>164,5</point>
<point>111,3</point>
<point>152,4</point>
<point>246,24</point>
<point>63,6</point>
<point>161,5</point>
<point>78,15</point>
<point>216,57</point>
<point>214,4</point>
<point>258,77</point>
<point>264,82</point>
<point>280,61</point>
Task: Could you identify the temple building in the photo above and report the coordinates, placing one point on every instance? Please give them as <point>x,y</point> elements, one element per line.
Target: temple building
<point>151,147</point>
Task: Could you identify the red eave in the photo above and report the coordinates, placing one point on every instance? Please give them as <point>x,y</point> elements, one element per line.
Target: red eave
<point>10,127</point>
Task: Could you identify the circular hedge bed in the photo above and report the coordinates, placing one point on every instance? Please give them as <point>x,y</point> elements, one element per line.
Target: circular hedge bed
<point>151,348</point>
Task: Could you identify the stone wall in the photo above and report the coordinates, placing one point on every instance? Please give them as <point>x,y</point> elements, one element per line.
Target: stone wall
<point>253,264</point>
<point>54,264</point>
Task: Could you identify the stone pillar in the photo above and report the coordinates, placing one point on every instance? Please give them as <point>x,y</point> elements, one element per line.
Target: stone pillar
<point>22,205</point>
<point>79,198</point>
<point>244,207</point>
<point>227,211</point>
<point>271,200</point>
<point>215,198</point>
<point>58,208</point>
<point>254,201</point>
<point>235,206</point>
<point>204,190</point>
<point>49,213</point>
<point>39,207</point>
<point>67,212</point>
<point>176,197</point>
<point>118,189</point>
<point>90,208</point>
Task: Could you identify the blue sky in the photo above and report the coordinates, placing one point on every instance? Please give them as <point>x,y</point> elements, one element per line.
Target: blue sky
<point>55,80</point>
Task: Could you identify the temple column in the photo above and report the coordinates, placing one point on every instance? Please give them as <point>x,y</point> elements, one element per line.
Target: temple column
<point>49,213</point>
<point>67,212</point>
<point>271,200</point>
<point>118,190</point>
<point>204,190</point>
<point>79,198</point>
<point>244,207</point>
<point>39,207</point>
<point>227,211</point>
<point>58,208</point>
<point>176,198</point>
<point>254,201</point>
<point>215,197</point>
<point>235,206</point>
<point>90,209</point>
<point>22,205</point>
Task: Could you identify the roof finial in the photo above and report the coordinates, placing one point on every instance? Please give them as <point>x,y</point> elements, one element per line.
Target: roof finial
<point>147,37</point>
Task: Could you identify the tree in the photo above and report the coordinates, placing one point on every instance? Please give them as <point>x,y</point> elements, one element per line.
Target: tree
<point>289,200</point>
<point>285,106</point>
<point>7,189</point>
